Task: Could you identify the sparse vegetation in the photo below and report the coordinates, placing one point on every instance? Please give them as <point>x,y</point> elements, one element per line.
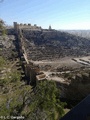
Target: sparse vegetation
<point>2,62</point>
<point>2,27</point>
<point>55,44</point>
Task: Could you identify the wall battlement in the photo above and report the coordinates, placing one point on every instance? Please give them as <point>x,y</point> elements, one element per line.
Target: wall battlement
<point>26,26</point>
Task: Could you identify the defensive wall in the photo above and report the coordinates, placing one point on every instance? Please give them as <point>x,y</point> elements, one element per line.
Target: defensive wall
<point>32,72</point>
<point>27,26</point>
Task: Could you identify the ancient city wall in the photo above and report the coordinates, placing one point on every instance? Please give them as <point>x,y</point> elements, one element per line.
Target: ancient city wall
<point>32,72</point>
<point>27,26</point>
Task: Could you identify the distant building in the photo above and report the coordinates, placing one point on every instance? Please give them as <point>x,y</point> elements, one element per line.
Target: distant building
<point>50,27</point>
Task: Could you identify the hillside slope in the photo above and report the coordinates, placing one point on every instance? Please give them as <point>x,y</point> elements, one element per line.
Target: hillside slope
<point>55,44</point>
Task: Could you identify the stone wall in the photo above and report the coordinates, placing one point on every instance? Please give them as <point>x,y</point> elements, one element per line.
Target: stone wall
<point>31,70</point>
<point>26,26</point>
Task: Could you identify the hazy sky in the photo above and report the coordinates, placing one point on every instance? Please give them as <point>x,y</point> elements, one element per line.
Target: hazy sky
<point>60,14</point>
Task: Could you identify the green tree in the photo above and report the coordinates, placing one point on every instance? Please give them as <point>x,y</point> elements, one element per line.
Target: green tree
<point>45,103</point>
<point>2,27</point>
<point>1,24</point>
<point>40,103</point>
<point>2,62</point>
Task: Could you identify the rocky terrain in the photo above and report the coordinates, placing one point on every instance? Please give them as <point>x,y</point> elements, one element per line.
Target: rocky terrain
<point>7,47</point>
<point>42,45</point>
